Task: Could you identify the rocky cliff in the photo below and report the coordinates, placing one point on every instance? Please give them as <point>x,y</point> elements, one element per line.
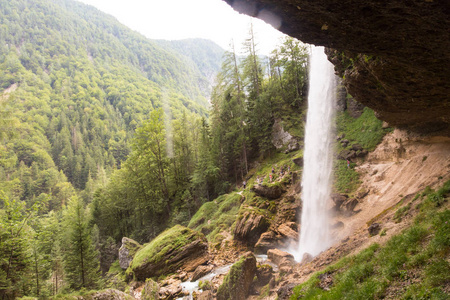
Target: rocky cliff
<point>393,55</point>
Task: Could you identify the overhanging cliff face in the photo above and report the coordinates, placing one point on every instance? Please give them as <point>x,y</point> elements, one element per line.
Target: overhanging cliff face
<point>394,55</point>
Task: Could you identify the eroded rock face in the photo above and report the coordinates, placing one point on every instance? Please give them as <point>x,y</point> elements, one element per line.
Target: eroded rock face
<point>249,227</point>
<point>127,251</point>
<point>236,284</point>
<point>393,54</point>
<point>176,248</point>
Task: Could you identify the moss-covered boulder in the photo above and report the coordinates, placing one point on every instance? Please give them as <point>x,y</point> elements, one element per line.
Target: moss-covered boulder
<point>176,248</point>
<point>236,284</point>
<point>127,251</point>
<point>150,290</point>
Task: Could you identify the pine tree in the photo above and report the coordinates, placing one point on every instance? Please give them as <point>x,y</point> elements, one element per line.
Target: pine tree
<point>81,259</point>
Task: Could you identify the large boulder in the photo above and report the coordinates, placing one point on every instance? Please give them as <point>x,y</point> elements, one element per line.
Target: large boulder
<point>127,251</point>
<point>279,257</point>
<point>236,285</point>
<point>272,191</point>
<point>250,226</point>
<point>176,248</point>
<point>338,199</point>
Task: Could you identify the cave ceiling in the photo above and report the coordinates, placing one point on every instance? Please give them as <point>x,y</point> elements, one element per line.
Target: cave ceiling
<point>393,55</point>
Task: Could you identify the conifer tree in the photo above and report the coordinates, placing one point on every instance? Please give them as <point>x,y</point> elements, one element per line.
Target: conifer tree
<point>81,259</point>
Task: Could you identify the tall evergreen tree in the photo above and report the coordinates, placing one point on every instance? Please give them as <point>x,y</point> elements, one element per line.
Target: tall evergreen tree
<point>81,259</point>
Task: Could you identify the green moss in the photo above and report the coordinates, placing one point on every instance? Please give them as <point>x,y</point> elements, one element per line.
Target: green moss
<point>205,285</point>
<point>150,290</point>
<point>230,280</point>
<point>216,216</point>
<point>170,240</point>
<point>421,250</point>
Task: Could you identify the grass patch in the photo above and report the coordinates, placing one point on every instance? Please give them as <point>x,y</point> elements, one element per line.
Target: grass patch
<point>366,130</point>
<point>419,252</point>
<point>346,180</point>
<point>401,212</point>
<point>216,216</point>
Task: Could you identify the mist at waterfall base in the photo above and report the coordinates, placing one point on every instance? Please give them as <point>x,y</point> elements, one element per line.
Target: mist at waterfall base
<point>318,157</point>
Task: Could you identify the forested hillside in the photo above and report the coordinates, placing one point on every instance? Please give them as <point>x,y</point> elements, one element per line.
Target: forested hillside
<point>86,82</point>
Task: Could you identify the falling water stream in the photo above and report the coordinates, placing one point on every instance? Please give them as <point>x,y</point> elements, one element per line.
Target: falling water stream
<point>317,157</point>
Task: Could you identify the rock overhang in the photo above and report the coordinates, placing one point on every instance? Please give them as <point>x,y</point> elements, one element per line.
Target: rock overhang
<point>393,55</point>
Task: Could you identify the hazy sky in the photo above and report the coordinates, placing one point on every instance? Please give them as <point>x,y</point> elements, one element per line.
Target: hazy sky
<point>179,19</point>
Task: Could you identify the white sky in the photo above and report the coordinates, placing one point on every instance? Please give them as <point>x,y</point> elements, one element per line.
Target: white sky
<point>179,19</point>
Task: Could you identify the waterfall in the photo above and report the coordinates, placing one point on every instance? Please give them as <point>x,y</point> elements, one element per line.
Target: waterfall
<point>318,156</point>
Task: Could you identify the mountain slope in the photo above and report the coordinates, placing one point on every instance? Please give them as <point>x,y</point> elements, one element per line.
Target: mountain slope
<point>78,83</point>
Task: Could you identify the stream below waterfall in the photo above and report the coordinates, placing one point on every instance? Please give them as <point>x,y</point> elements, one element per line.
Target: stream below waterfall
<point>192,287</point>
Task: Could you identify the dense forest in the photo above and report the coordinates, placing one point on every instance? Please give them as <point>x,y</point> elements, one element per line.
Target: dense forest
<point>106,134</point>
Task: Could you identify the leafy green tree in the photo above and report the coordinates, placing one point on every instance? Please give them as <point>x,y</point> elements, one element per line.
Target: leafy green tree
<point>289,65</point>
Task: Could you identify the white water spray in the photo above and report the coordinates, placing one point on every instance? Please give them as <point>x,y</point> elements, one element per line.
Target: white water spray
<point>318,156</point>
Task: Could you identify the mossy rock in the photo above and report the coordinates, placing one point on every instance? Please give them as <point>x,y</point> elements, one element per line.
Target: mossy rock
<point>150,290</point>
<point>176,248</point>
<point>236,284</point>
